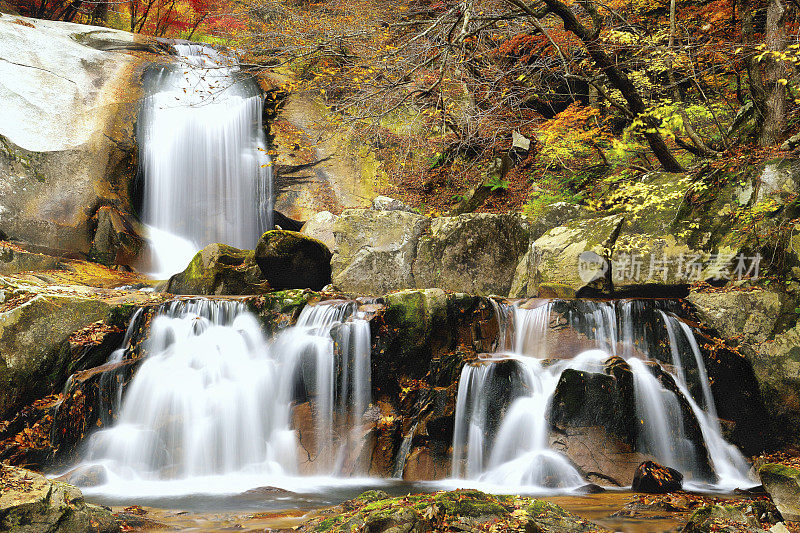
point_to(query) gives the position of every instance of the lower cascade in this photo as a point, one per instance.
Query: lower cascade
(214, 398)
(505, 400)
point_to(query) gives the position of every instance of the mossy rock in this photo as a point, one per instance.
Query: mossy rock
(292, 260)
(783, 484)
(755, 515)
(219, 269)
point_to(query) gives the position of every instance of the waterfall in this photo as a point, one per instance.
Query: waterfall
(504, 440)
(206, 173)
(213, 397)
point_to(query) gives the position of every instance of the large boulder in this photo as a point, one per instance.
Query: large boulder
(34, 358)
(320, 227)
(761, 325)
(375, 250)
(575, 255)
(783, 484)
(219, 269)
(292, 260)
(70, 96)
(474, 253)
(31, 503)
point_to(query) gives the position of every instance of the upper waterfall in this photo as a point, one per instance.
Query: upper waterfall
(206, 173)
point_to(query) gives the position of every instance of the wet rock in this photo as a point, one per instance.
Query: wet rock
(219, 269)
(375, 250)
(117, 238)
(783, 485)
(30, 503)
(473, 253)
(85, 476)
(746, 516)
(320, 227)
(292, 260)
(654, 478)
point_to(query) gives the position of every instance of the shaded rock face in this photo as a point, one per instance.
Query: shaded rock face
(66, 129)
(656, 479)
(219, 269)
(30, 503)
(292, 260)
(783, 484)
(14, 259)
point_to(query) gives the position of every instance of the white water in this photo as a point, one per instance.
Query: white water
(207, 175)
(516, 452)
(213, 399)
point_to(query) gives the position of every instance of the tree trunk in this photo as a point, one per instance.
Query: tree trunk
(774, 106)
(619, 80)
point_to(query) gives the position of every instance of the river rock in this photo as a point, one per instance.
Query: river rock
(320, 227)
(656, 479)
(70, 96)
(31, 503)
(474, 253)
(375, 250)
(783, 484)
(34, 358)
(219, 269)
(292, 260)
(747, 516)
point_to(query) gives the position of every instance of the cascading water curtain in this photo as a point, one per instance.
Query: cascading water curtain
(504, 440)
(213, 397)
(206, 173)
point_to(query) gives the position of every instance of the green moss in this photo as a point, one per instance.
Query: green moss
(372, 496)
(778, 470)
(543, 508)
(471, 503)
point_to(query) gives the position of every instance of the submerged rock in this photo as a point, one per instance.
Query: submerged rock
(31, 503)
(783, 484)
(292, 260)
(656, 479)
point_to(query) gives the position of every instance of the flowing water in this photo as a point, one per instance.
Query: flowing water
(501, 430)
(206, 173)
(211, 404)
(217, 409)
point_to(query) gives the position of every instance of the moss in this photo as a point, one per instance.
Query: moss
(471, 503)
(779, 470)
(372, 496)
(543, 508)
